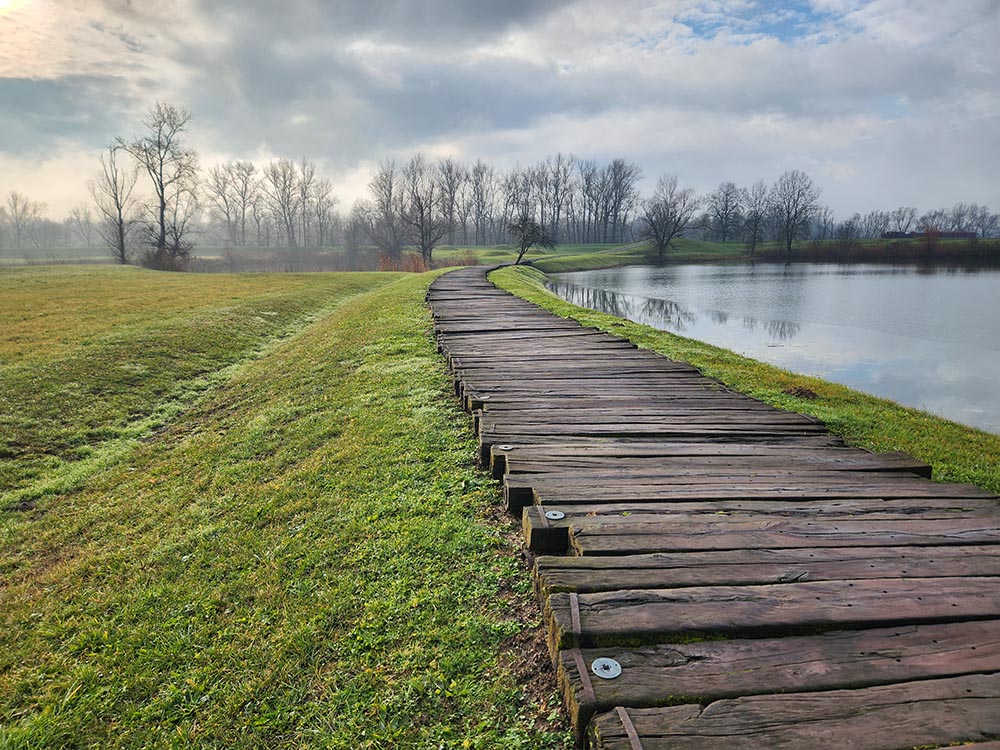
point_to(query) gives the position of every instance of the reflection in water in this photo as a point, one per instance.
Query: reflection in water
(927, 337)
(782, 329)
(660, 313)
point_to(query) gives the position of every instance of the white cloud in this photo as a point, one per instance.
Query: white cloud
(883, 101)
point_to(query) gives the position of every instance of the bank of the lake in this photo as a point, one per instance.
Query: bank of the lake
(958, 453)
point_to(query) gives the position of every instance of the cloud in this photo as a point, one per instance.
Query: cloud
(883, 101)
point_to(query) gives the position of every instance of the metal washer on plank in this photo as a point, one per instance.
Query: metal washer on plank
(505, 447)
(555, 515)
(606, 668)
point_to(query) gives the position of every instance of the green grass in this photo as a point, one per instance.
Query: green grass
(93, 358)
(498, 254)
(957, 453)
(302, 556)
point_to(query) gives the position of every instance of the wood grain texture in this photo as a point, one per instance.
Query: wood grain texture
(707, 671)
(645, 616)
(890, 717)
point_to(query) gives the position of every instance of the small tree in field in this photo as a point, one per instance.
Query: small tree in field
(527, 233)
(667, 214)
(173, 174)
(112, 192)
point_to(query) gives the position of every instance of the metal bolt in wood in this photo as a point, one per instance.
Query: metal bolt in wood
(606, 668)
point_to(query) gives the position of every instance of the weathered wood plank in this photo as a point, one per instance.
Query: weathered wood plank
(747, 490)
(659, 615)
(708, 671)
(889, 717)
(548, 464)
(669, 453)
(723, 534)
(544, 534)
(592, 573)
(661, 482)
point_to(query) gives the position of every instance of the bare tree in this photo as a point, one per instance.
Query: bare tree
(386, 228)
(182, 211)
(356, 230)
(482, 179)
(560, 187)
(112, 191)
(233, 190)
(324, 204)
(245, 187)
(848, 232)
(902, 219)
(724, 211)
(794, 201)
(172, 171)
(452, 177)
(527, 233)
(958, 217)
(22, 214)
(221, 195)
(422, 206)
(463, 210)
(933, 221)
(81, 224)
(667, 213)
(620, 179)
(824, 222)
(306, 183)
(983, 221)
(875, 223)
(282, 191)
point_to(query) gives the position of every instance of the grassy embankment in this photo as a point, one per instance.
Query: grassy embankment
(244, 515)
(957, 453)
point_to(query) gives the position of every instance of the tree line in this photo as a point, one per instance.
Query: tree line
(151, 202)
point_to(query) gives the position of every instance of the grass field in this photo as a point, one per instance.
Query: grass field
(278, 542)
(957, 453)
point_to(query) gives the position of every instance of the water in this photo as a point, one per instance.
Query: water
(924, 338)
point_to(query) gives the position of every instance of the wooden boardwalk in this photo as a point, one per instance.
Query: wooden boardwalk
(718, 573)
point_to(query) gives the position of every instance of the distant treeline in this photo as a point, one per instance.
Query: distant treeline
(928, 249)
(153, 202)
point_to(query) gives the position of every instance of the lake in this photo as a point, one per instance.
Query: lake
(928, 338)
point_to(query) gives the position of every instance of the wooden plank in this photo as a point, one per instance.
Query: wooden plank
(799, 489)
(581, 466)
(545, 535)
(555, 454)
(643, 616)
(712, 670)
(659, 480)
(768, 437)
(888, 717)
(591, 573)
(723, 534)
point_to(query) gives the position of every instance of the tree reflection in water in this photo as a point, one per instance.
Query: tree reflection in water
(659, 313)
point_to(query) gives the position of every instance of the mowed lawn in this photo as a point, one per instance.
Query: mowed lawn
(241, 512)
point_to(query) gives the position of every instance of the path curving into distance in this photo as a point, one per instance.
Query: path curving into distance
(715, 572)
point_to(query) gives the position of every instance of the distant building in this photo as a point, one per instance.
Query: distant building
(936, 235)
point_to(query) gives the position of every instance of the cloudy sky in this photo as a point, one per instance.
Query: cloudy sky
(882, 102)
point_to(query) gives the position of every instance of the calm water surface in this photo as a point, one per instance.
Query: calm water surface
(929, 339)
